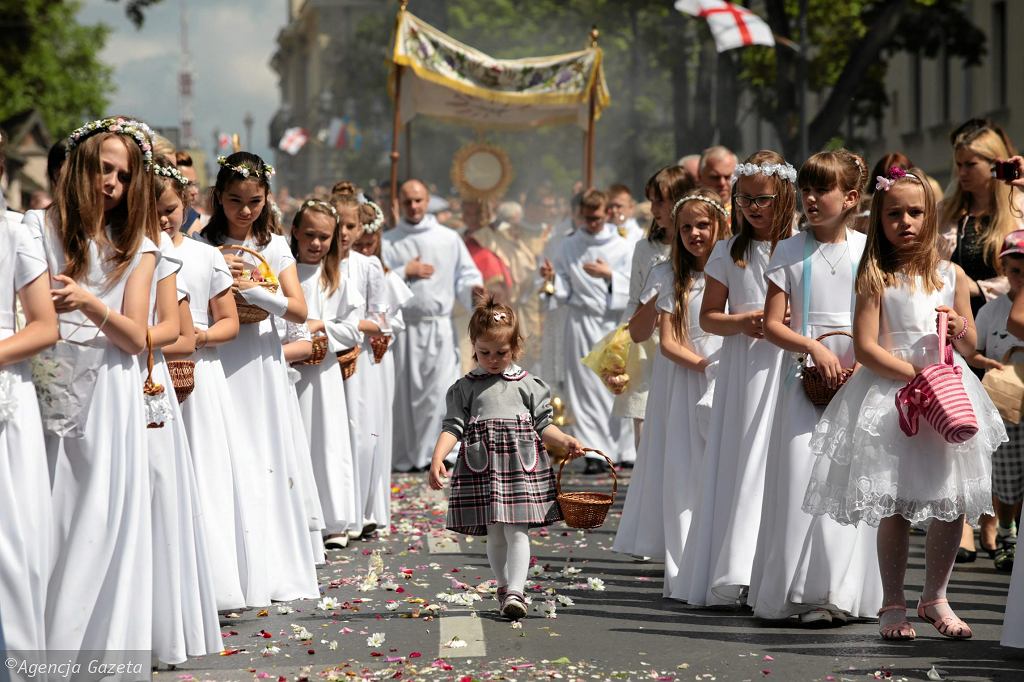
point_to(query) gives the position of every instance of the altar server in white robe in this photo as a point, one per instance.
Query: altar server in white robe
(438, 268)
(591, 271)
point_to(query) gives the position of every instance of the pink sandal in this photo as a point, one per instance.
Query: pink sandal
(901, 631)
(944, 625)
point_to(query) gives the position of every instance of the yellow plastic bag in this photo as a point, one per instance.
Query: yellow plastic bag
(609, 359)
(1006, 387)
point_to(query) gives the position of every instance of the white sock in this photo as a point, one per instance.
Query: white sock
(518, 562)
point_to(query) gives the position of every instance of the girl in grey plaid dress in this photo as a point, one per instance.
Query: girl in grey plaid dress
(502, 483)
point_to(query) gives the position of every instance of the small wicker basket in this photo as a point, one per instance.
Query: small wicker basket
(819, 392)
(347, 360)
(319, 350)
(183, 377)
(585, 509)
(380, 345)
(151, 389)
(247, 312)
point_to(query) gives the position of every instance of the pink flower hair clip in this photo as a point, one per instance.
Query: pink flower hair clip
(895, 173)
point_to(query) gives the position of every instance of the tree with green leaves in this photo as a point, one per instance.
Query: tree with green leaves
(50, 62)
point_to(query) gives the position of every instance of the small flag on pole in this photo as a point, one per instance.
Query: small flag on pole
(223, 142)
(731, 26)
(293, 140)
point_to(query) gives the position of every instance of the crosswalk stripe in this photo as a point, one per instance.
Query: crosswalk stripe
(467, 628)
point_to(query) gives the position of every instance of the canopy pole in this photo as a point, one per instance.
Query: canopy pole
(396, 125)
(588, 149)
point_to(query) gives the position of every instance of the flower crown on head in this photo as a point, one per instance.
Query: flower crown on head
(378, 220)
(892, 177)
(245, 169)
(137, 130)
(317, 203)
(500, 316)
(171, 172)
(783, 170)
(697, 197)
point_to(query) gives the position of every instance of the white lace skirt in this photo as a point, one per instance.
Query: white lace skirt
(868, 469)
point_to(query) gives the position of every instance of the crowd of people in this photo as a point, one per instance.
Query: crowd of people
(222, 397)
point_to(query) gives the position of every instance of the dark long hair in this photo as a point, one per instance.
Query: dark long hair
(216, 231)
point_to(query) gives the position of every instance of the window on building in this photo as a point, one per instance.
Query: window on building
(997, 39)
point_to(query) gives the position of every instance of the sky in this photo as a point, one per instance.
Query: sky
(231, 42)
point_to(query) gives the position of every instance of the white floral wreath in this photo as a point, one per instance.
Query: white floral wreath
(317, 203)
(245, 169)
(378, 220)
(137, 130)
(696, 197)
(171, 172)
(783, 170)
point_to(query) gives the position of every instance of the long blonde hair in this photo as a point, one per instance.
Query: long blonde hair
(882, 262)
(684, 263)
(782, 216)
(989, 145)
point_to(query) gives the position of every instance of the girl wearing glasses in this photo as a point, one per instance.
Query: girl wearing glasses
(720, 549)
(808, 566)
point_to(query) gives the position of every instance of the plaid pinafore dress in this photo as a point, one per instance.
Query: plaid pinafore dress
(503, 473)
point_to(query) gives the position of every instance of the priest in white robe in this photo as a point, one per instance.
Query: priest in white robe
(434, 262)
(591, 270)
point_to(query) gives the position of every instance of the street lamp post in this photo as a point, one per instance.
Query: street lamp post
(248, 121)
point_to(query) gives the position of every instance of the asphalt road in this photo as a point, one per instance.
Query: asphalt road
(404, 607)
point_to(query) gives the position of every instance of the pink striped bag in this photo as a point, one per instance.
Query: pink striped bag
(937, 394)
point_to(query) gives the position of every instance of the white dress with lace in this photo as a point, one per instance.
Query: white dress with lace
(867, 468)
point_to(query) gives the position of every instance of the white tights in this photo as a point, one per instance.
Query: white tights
(940, 552)
(508, 552)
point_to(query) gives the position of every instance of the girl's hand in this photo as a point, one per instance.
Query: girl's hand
(982, 362)
(438, 475)
(235, 264)
(315, 326)
(827, 363)
(244, 284)
(955, 323)
(71, 296)
(573, 448)
(753, 324)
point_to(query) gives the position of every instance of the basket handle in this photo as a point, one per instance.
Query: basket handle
(611, 468)
(246, 249)
(1010, 353)
(835, 333)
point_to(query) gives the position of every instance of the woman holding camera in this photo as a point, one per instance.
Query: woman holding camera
(979, 213)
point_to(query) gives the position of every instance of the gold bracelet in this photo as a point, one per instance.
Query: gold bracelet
(106, 316)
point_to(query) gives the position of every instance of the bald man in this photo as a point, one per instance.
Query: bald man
(434, 262)
(715, 173)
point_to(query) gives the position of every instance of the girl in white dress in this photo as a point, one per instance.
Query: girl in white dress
(24, 480)
(364, 277)
(208, 411)
(868, 470)
(805, 565)
(640, 531)
(100, 590)
(662, 190)
(396, 295)
(719, 550)
(692, 355)
(321, 390)
(281, 564)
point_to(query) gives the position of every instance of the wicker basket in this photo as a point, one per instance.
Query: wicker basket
(319, 350)
(819, 392)
(586, 509)
(347, 360)
(151, 389)
(247, 312)
(183, 377)
(380, 345)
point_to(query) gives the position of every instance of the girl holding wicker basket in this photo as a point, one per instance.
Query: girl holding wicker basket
(229, 512)
(877, 463)
(333, 319)
(807, 566)
(281, 567)
(503, 483)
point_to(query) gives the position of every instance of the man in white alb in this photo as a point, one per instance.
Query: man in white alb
(436, 265)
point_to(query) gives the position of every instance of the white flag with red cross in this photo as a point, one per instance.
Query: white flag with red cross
(731, 26)
(293, 140)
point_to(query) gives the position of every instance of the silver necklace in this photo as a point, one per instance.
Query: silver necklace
(832, 265)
